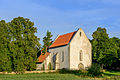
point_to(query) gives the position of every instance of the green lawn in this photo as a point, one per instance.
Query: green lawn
(42, 76)
(112, 73)
(56, 76)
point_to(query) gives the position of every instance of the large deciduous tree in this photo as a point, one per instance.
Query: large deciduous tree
(5, 60)
(104, 50)
(24, 44)
(116, 62)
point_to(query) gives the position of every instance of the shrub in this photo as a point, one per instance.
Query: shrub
(43, 67)
(50, 66)
(94, 70)
(64, 71)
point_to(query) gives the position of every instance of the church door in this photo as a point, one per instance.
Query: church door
(81, 66)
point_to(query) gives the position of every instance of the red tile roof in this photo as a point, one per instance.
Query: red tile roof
(42, 57)
(62, 40)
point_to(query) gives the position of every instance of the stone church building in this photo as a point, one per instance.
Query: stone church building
(71, 51)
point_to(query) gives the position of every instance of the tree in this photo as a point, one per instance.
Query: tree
(116, 62)
(47, 42)
(5, 60)
(104, 50)
(24, 45)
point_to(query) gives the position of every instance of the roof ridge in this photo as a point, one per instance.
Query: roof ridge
(67, 33)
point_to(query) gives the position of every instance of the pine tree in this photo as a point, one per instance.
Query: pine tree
(47, 42)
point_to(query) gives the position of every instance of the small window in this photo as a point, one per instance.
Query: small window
(80, 34)
(81, 56)
(62, 56)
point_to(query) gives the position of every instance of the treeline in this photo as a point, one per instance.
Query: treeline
(105, 50)
(18, 45)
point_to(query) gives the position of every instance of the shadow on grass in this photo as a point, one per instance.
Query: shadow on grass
(115, 71)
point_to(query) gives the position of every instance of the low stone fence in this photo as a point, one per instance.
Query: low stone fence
(27, 72)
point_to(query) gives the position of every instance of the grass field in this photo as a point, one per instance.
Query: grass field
(112, 73)
(57, 76)
(41, 76)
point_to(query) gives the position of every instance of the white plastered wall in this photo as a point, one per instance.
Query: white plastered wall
(58, 51)
(77, 44)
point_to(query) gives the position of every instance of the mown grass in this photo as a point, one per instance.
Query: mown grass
(112, 73)
(108, 75)
(41, 76)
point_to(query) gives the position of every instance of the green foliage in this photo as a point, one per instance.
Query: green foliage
(115, 60)
(50, 66)
(43, 67)
(5, 59)
(94, 70)
(47, 41)
(19, 45)
(103, 48)
(67, 71)
(81, 73)
(25, 44)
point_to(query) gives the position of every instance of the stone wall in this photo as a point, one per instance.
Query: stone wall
(80, 43)
(58, 51)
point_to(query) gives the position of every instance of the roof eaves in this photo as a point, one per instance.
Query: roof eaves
(58, 46)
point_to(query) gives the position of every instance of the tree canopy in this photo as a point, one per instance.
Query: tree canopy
(21, 45)
(47, 41)
(105, 50)
(5, 38)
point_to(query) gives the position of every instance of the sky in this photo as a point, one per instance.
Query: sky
(64, 16)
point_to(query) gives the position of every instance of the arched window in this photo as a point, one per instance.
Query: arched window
(80, 34)
(62, 56)
(80, 55)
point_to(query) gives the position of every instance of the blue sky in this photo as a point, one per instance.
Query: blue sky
(63, 16)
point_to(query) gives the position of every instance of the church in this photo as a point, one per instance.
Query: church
(70, 51)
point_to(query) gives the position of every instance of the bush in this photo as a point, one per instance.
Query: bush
(81, 73)
(43, 67)
(94, 70)
(64, 71)
(50, 66)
